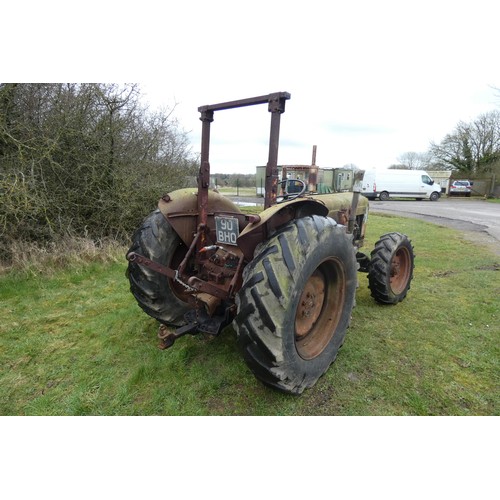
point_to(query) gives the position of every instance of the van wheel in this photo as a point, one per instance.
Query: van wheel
(434, 196)
(384, 196)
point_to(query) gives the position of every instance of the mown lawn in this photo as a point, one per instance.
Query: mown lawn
(74, 342)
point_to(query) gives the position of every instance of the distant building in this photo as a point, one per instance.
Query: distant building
(441, 177)
(328, 180)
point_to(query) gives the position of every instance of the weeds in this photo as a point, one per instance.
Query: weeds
(35, 259)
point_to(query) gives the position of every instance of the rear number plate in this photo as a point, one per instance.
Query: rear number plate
(227, 230)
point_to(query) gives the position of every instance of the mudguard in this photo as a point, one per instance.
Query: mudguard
(180, 208)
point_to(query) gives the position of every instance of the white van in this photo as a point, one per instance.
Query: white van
(384, 184)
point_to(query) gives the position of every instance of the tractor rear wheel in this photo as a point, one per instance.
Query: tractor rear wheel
(295, 303)
(156, 294)
(391, 268)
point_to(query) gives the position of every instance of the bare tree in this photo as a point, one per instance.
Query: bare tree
(413, 161)
(473, 148)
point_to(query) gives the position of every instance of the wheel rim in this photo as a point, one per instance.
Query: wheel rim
(319, 309)
(400, 270)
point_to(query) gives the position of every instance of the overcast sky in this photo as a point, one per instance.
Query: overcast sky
(369, 80)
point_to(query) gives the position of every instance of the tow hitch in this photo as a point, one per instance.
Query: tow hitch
(198, 321)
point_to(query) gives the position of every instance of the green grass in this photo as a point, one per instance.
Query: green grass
(241, 191)
(74, 342)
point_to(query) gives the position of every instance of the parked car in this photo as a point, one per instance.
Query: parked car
(460, 187)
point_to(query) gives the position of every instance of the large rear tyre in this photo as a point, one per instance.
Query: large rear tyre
(391, 268)
(295, 303)
(155, 293)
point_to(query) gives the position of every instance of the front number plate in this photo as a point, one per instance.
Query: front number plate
(227, 230)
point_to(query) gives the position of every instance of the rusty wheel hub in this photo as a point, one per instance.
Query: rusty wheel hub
(319, 309)
(400, 270)
(310, 305)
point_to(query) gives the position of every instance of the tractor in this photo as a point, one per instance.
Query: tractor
(285, 278)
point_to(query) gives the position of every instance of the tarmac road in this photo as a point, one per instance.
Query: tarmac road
(476, 218)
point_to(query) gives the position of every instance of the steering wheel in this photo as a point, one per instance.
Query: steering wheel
(290, 196)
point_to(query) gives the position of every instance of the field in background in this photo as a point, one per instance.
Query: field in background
(238, 191)
(74, 342)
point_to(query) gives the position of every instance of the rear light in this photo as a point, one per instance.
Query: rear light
(374, 187)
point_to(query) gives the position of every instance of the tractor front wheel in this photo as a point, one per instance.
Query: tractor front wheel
(391, 268)
(295, 303)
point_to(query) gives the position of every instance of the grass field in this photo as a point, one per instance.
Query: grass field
(240, 191)
(74, 342)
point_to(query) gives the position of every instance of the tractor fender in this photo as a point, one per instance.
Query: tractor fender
(180, 208)
(266, 223)
(339, 208)
(334, 205)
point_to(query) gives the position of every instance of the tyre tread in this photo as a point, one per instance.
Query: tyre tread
(381, 258)
(156, 240)
(260, 333)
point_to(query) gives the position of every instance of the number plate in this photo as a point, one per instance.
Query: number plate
(227, 230)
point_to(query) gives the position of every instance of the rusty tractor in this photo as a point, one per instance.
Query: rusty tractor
(285, 278)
